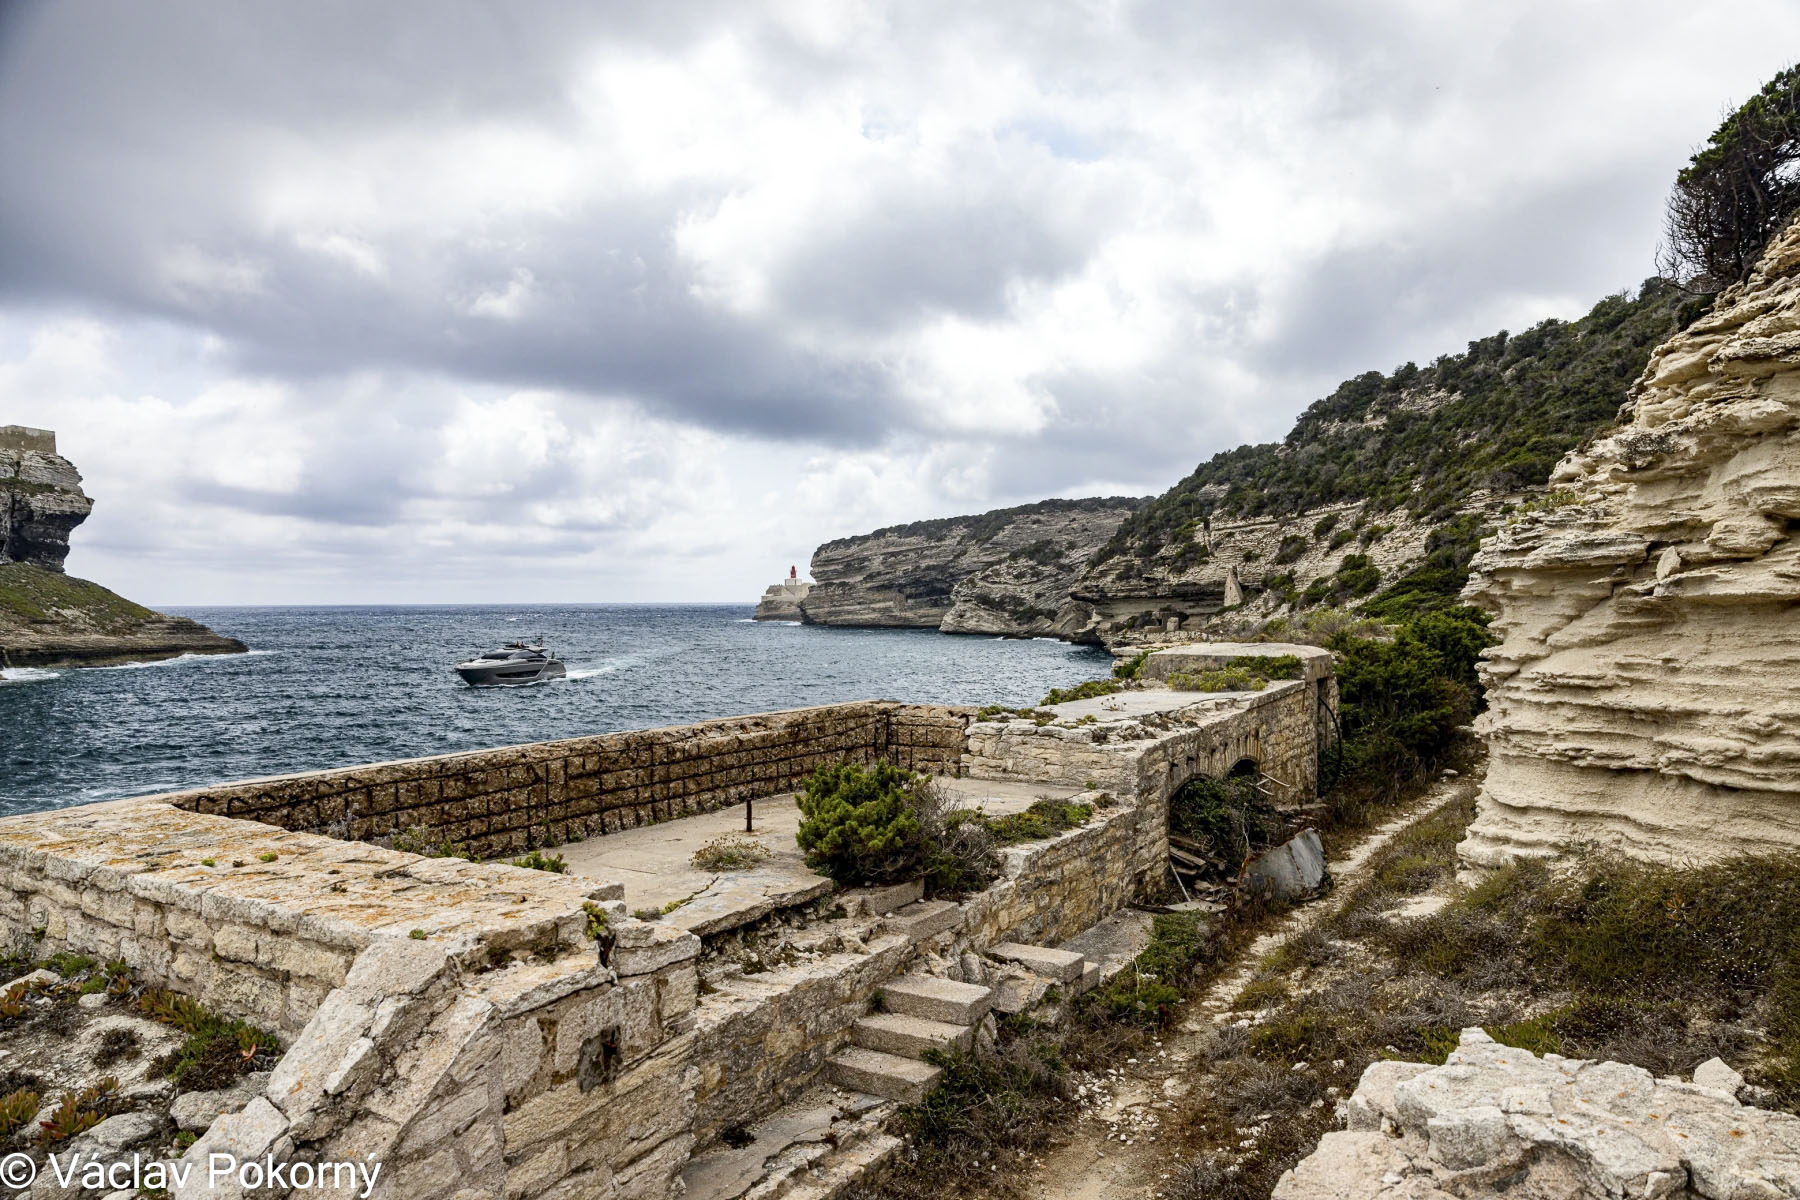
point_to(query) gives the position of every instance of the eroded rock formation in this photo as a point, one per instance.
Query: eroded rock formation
(1006, 572)
(1496, 1121)
(41, 499)
(1642, 696)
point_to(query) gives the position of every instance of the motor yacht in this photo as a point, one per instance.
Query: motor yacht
(512, 664)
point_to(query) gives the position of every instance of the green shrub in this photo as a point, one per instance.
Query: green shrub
(1131, 668)
(1149, 992)
(218, 1050)
(1230, 817)
(1044, 819)
(860, 825)
(537, 860)
(1242, 675)
(1404, 703)
(1081, 691)
(1292, 546)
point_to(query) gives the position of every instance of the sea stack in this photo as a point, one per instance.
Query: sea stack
(48, 617)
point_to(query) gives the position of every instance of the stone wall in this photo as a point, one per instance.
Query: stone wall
(1052, 890)
(251, 920)
(1280, 728)
(503, 801)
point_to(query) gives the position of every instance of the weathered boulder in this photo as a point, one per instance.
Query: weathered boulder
(1642, 694)
(1495, 1120)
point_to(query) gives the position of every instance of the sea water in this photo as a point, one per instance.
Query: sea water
(326, 687)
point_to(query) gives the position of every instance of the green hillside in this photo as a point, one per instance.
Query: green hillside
(1423, 439)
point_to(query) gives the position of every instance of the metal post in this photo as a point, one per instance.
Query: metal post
(747, 803)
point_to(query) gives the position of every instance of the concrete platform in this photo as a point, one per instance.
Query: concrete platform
(655, 863)
(1141, 702)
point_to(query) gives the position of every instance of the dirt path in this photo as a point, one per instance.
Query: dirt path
(1116, 1150)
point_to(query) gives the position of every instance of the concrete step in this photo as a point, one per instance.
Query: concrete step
(903, 1079)
(838, 1174)
(822, 1135)
(909, 1037)
(1064, 966)
(924, 919)
(880, 901)
(937, 999)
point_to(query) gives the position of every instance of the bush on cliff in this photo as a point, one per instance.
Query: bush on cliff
(1404, 704)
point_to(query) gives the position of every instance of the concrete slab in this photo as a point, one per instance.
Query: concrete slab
(1141, 702)
(655, 863)
(1113, 942)
(1061, 965)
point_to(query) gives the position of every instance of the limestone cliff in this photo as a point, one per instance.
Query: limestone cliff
(41, 499)
(1642, 695)
(49, 618)
(1377, 498)
(1004, 572)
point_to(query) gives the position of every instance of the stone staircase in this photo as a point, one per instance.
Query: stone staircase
(919, 1013)
(818, 1147)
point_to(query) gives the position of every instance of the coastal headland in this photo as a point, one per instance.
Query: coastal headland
(47, 616)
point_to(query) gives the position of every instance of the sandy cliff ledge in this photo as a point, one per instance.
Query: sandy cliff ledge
(1646, 693)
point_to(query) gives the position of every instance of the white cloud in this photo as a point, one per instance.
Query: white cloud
(650, 298)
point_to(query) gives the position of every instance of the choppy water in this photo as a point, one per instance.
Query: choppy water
(333, 686)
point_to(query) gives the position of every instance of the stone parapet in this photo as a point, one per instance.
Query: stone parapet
(502, 801)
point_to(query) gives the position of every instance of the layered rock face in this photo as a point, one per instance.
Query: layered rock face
(1496, 1121)
(1259, 563)
(41, 499)
(1643, 693)
(47, 617)
(1004, 572)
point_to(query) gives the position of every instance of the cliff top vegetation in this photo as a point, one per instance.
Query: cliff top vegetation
(983, 526)
(1497, 416)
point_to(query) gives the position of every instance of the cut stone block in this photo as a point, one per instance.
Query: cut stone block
(937, 999)
(1064, 966)
(1090, 979)
(910, 1037)
(924, 919)
(880, 901)
(903, 1079)
(1019, 993)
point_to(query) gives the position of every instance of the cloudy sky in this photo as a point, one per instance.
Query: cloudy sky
(451, 301)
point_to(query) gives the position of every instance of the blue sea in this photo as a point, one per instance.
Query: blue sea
(326, 687)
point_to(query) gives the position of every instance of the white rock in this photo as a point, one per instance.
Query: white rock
(1715, 1074)
(1545, 1127)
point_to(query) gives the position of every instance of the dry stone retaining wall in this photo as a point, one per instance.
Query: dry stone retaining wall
(510, 799)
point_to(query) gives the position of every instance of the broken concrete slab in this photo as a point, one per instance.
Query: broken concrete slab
(1291, 871)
